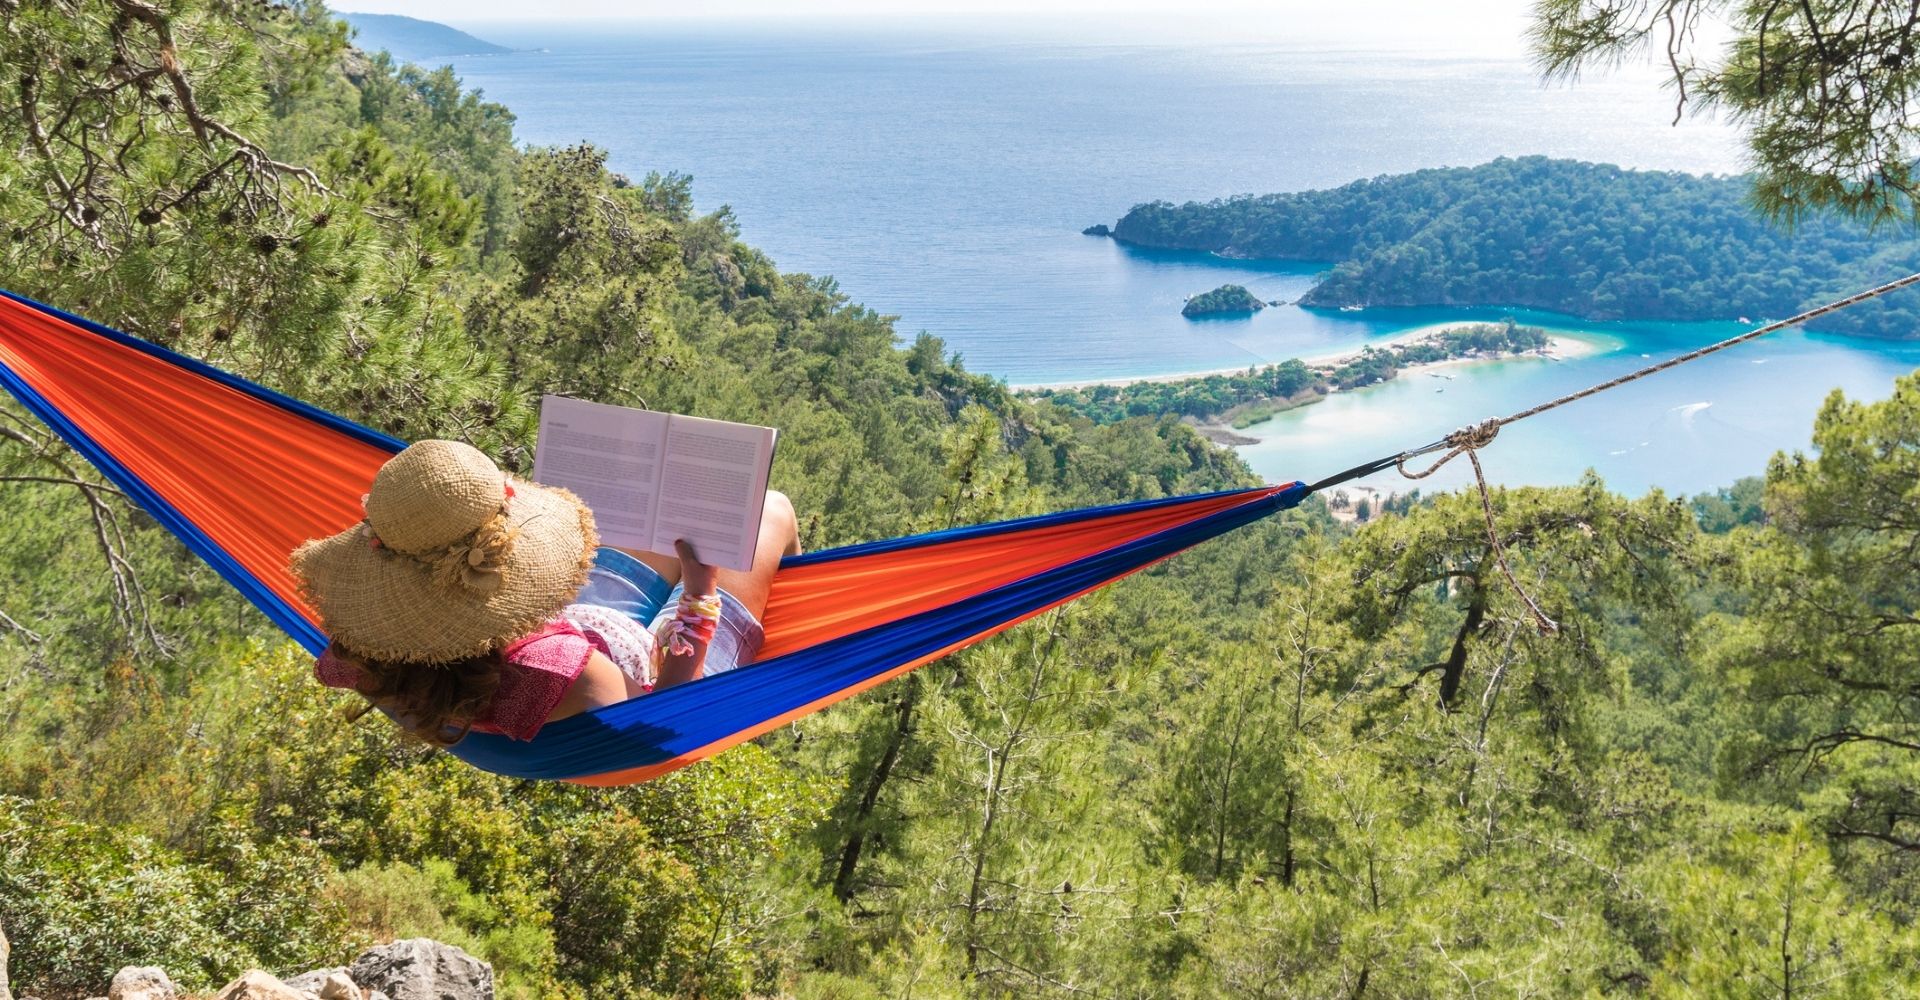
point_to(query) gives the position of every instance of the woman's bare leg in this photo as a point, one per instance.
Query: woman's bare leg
(667, 566)
(779, 536)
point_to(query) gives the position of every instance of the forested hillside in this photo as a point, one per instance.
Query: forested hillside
(1587, 239)
(1301, 761)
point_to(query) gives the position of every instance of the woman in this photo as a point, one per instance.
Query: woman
(470, 600)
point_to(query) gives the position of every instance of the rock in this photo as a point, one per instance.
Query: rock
(312, 981)
(141, 982)
(1099, 229)
(339, 987)
(423, 969)
(257, 985)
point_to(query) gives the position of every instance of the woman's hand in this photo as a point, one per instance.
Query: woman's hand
(696, 576)
(698, 579)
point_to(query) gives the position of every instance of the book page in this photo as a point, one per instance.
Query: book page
(713, 485)
(610, 456)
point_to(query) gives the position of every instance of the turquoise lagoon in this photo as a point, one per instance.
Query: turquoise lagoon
(1684, 430)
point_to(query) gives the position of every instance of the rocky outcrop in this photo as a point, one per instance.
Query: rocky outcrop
(333, 984)
(257, 985)
(415, 969)
(338, 987)
(423, 969)
(312, 981)
(1098, 229)
(141, 982)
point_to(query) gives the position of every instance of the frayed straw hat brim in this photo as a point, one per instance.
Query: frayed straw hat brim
(382, 604)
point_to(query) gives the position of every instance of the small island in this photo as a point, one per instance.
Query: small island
(1097, 229)
(1225, 300)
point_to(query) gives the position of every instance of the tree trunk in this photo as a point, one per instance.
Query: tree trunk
(974, 888)
(1456, 666)
(5, 994)
(870, 798)
(1221, 813)
(999, 761)
(1286, 844)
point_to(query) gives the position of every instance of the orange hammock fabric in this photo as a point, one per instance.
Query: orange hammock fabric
(243, 475)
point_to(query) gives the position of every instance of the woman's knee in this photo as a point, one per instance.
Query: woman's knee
(778, 512)
(778, 519)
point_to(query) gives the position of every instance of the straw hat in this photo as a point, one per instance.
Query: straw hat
(454, 559)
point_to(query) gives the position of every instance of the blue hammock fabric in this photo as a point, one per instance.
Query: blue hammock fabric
(243, 474)
(678, 721)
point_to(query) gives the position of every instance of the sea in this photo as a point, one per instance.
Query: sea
(941, 171)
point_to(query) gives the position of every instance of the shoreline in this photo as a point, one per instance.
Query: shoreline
(1561, 345)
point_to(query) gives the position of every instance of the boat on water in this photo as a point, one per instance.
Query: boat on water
(1351, 309)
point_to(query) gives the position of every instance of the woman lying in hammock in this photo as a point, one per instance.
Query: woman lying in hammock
(470, 600)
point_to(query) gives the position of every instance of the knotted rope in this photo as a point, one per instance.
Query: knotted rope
(1468, 440)
(1464, 441)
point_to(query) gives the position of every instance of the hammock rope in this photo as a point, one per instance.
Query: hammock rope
(1468, 441)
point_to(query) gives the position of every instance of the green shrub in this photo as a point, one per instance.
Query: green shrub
(400, 900)
(80, 901)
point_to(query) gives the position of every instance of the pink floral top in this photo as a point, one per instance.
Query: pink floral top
(540, 667)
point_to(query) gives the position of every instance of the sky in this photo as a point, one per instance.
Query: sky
(1485, 26)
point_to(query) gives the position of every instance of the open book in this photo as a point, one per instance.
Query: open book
(651, 478)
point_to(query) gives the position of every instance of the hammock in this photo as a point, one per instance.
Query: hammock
(243, 474)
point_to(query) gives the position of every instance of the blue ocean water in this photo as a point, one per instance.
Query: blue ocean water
(942, 173)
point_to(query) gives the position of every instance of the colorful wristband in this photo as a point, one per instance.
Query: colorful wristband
(694, 619)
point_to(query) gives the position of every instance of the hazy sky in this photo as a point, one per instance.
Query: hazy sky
(1435, 10)
(1481, 25)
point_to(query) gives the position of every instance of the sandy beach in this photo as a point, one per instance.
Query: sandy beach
(1561, 345)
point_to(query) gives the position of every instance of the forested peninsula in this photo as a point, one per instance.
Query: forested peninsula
(1302, 760)
(1586, 239)
(1245, 398)
(415, 40)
